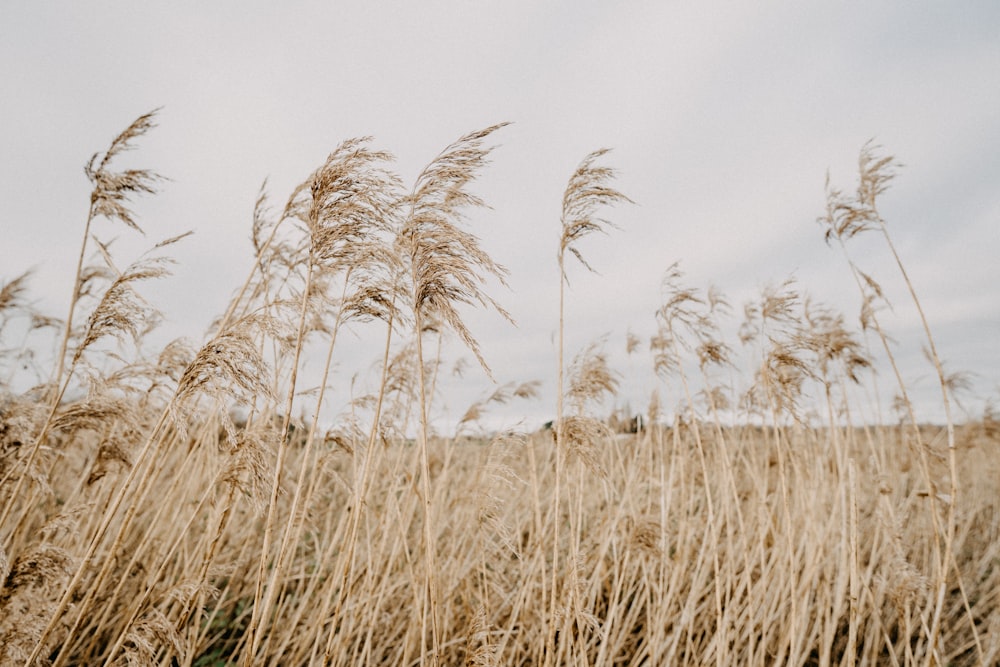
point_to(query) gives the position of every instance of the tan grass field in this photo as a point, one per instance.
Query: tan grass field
(167, 509)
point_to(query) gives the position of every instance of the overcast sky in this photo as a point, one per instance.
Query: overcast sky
(724, 119)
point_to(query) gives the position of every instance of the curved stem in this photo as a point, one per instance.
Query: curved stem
(262, 598)
(425, 477)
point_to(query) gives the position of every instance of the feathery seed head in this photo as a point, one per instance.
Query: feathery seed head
(847, 217)
(12, 292)
(447, 265)
(352, 199)
(113, 190)
(580, 435)
(230, 364)
(121, 310)
(588, 191)
(591, 377)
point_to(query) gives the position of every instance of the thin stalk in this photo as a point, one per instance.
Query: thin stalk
(949, 538)
(348, 558)
(141, 494)
(294, 528)
(554, 584)
(136, 605)
(195, 608)
(234, 304)
(721, 654)
(59, 386)
(425, 478)
(855, 585)
(911, 414)
(262, 601)
(64, 343)
(99, 536)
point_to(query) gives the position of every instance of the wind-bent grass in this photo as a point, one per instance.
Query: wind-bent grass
(446, 267)
(168, 509)
(587, 192)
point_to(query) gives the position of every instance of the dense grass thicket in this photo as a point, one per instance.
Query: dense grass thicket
(184, 508)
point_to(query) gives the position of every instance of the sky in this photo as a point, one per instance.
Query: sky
(724, 120)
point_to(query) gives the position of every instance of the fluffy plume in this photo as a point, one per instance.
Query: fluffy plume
(591, 377)
(229, 364)
(448, 267)
(12, 294)
(121, 310)
(113, 190)
(588, 191)
(846, 217)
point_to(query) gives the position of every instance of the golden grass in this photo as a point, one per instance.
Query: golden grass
(171, 511)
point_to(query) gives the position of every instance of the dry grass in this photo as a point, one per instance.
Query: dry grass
(168, 509)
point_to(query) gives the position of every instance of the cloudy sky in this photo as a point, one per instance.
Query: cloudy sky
(724, 119)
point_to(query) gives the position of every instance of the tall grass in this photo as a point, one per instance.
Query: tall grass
(170, 508)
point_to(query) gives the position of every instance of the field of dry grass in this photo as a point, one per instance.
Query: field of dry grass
(168, 509)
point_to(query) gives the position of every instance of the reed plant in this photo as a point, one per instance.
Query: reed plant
(195, 504)
(587, 193)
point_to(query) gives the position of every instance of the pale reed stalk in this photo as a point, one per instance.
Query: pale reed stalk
(447, 267)
(586, 193)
